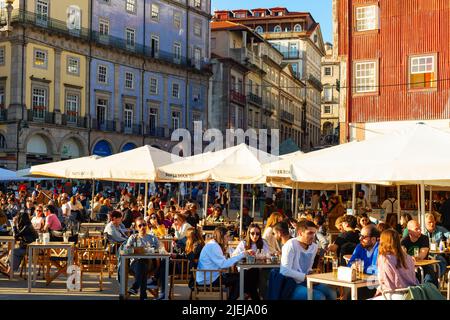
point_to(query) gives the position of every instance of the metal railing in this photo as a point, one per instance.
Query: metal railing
(237, 97)
(50, 24)
(106, 125)
(287, 116)
(75, 121)
(154, 131)
(40, 115)
(133, 129)
(290, 54)
(255, 99)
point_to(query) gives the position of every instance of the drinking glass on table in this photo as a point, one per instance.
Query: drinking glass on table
(335, 263)
(416, 253)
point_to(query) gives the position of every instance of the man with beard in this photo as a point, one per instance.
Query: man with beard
(367, 249)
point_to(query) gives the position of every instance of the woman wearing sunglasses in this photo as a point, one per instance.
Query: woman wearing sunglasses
(156, 226)
(254, 242)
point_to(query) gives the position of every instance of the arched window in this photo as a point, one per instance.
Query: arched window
(297, 28)
(259, 30)
(2, 142)
(277, 29)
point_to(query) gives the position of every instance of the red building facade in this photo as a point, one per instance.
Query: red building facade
(399, 70)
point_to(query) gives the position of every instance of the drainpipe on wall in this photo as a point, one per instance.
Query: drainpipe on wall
(142, 80)
(186, 93)
(349, 69)
(88, 107)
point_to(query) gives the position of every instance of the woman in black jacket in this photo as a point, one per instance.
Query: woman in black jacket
(24, 233)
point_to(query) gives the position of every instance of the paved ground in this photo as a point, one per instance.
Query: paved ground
(17, 289)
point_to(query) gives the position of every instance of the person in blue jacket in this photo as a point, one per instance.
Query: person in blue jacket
(367, 249)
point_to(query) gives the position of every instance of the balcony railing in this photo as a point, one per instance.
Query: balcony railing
(39, 114)
(25, 17)
(237, 97)
(74, 121)
(133, 129)
(155, 131)
(315, 82)
(287, 116)
(106, 125)
(290, 54)
(255, 99)
(243, 56)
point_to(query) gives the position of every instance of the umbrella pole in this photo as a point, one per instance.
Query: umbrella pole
(292, 200)
(353, 197)
(241, 210)
(179, 192)
(422, 205)
(93, 193)
(253, 206)
(398, 204)
(337, 189)
(431, 200)
(304, 199)
(296, 202)
(205, 210)
(145, 198)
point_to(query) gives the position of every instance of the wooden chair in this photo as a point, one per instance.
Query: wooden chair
(208, 291)
(92, 257)
(180, 274)
(91, 260)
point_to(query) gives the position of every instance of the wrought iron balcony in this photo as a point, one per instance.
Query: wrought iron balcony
(287, 55)
(105, 125)
(287, 116)
(74, 121)
(133, 129)
(255, 99)
(39, 114)
(155, 131)
(237, 97)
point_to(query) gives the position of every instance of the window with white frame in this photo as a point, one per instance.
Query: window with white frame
(365, 76)
(40, 58)
(155, 12)
(177, 52)
(102, 74)
(367, 18)
(153, 119)
(130, 6)
(73, 65)
(2, 56)
(198, 28)
(103, 27)
(176, 116)
(423, 72)
(177, 20)
(327, 109)
(298, 28)
(153, 86)
(72, 106)
(277, 29)
(175, 90)
(259, 30)
(42, 12)
(39, 102)
(102, 106)
(328, 93)
(155, 45)
(131, 37)
(128, 115)
(129, 80)
(197, 57)
(2, 95)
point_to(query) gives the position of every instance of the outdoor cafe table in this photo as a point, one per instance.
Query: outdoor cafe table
(260, 264)
(422, 263)
(330, 278)
(124, 271)
(11, 242)
(32, 247)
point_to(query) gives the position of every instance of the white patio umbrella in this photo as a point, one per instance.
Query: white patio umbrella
(239, 165)
(137, 165)
(418, 154)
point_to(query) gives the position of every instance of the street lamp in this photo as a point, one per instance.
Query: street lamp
(9, 8)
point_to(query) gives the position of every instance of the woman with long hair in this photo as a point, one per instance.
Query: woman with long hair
(213, 257)
(156, 225)
(273, 219)
(395, 267)
(254, 242)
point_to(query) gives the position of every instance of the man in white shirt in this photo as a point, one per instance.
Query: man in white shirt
(297, 259)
